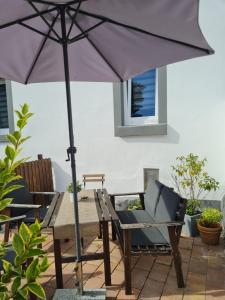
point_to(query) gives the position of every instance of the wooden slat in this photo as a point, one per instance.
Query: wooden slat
(56, 209)
(98, 207)
(93, 180)
(104, 209)
(50, 211)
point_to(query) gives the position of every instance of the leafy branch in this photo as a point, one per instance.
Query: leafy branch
(10, 162)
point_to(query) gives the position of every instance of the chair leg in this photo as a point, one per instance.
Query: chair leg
(107, 266)
(176, 256)
(58, 264)
(127, 261)
(112, 199)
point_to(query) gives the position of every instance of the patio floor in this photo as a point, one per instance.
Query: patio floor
(153, 278)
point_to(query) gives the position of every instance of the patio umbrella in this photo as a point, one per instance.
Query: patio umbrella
(94, 40)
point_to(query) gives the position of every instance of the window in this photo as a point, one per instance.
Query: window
(6, 110)
(140, 106)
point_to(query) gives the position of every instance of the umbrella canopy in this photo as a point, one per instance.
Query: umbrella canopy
(94, 40)
(108, 40)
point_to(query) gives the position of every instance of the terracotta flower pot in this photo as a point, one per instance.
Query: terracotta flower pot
(210, 236)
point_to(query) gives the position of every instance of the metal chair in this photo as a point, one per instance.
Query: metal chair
(155, 230)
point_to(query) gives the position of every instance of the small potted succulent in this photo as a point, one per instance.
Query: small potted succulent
(70, 187)
(191, 181)
(209, 226)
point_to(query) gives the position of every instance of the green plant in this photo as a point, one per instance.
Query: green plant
(10, 162)
(20, 278)
(210, 217)
(190, 177)
(135, 205)
(70, 187)
(193, 207)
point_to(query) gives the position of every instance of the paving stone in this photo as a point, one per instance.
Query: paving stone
(159, 272)
(152, 290)
(123, 296)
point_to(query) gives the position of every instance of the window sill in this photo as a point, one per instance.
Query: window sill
(144, 130)
(3, 139)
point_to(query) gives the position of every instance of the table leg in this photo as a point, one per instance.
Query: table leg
(107, 266)
(58, 264)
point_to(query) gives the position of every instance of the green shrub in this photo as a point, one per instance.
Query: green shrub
(193, 207)
(21, 278)
(10, 162)
(210, 217)
(135, 205)
(190, 177)
(70, 187)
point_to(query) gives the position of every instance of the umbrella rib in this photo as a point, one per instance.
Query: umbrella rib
(27, 18)
(43, 18)
(139, 30)
(38, 31)
(74, 18)
(98, 51)
(84, 33)
(41, 48)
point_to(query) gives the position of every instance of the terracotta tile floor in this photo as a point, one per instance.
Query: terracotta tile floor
(153, 278)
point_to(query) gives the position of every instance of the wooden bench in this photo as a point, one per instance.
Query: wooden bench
(154, 230)
(93, 178)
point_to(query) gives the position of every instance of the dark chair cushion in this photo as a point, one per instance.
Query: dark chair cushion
(142, 237)
(166, 208)
(30, 215)
(20, 196)
(10, 255)
(152, 195)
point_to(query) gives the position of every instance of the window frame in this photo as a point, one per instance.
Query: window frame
(10, 109)
(160, 128)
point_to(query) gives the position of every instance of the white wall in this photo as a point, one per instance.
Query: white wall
(196, 122)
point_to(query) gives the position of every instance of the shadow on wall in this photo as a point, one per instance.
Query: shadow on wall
(172, 137)
(62, 179)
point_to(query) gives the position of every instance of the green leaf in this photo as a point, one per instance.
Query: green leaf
(17, 135)
(3, 296)
(4, 203)
(36, 289)
(25, 108)
(44, 264)
(24, 140)
(35, 227)
(10, 152)
(37, 240)
(11, 139)
(18, 113)
(21, 123)
(6, 265)
(16, 284)
(22, 294)
(25, 233)
(18, 245)
(32, 270)
(10, 189)
(35, 252)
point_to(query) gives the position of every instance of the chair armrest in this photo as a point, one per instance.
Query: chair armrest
(147, 225)
(126, 194)
(34, 206)
(15, 219)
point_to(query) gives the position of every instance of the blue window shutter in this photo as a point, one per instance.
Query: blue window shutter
(4, 122)
(143, 94)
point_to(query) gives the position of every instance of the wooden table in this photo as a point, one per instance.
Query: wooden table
(93, 217)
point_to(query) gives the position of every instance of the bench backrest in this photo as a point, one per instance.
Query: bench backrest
(37, 174)
(163, 204)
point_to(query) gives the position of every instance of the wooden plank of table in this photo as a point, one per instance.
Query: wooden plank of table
(104, 209)
(48, 216)
(111, 210)
(98, 207)
(55, 211)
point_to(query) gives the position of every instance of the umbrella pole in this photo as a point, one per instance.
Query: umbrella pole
(71, 152)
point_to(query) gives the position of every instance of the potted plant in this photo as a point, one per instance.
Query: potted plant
(191, 180)
(209, 226)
